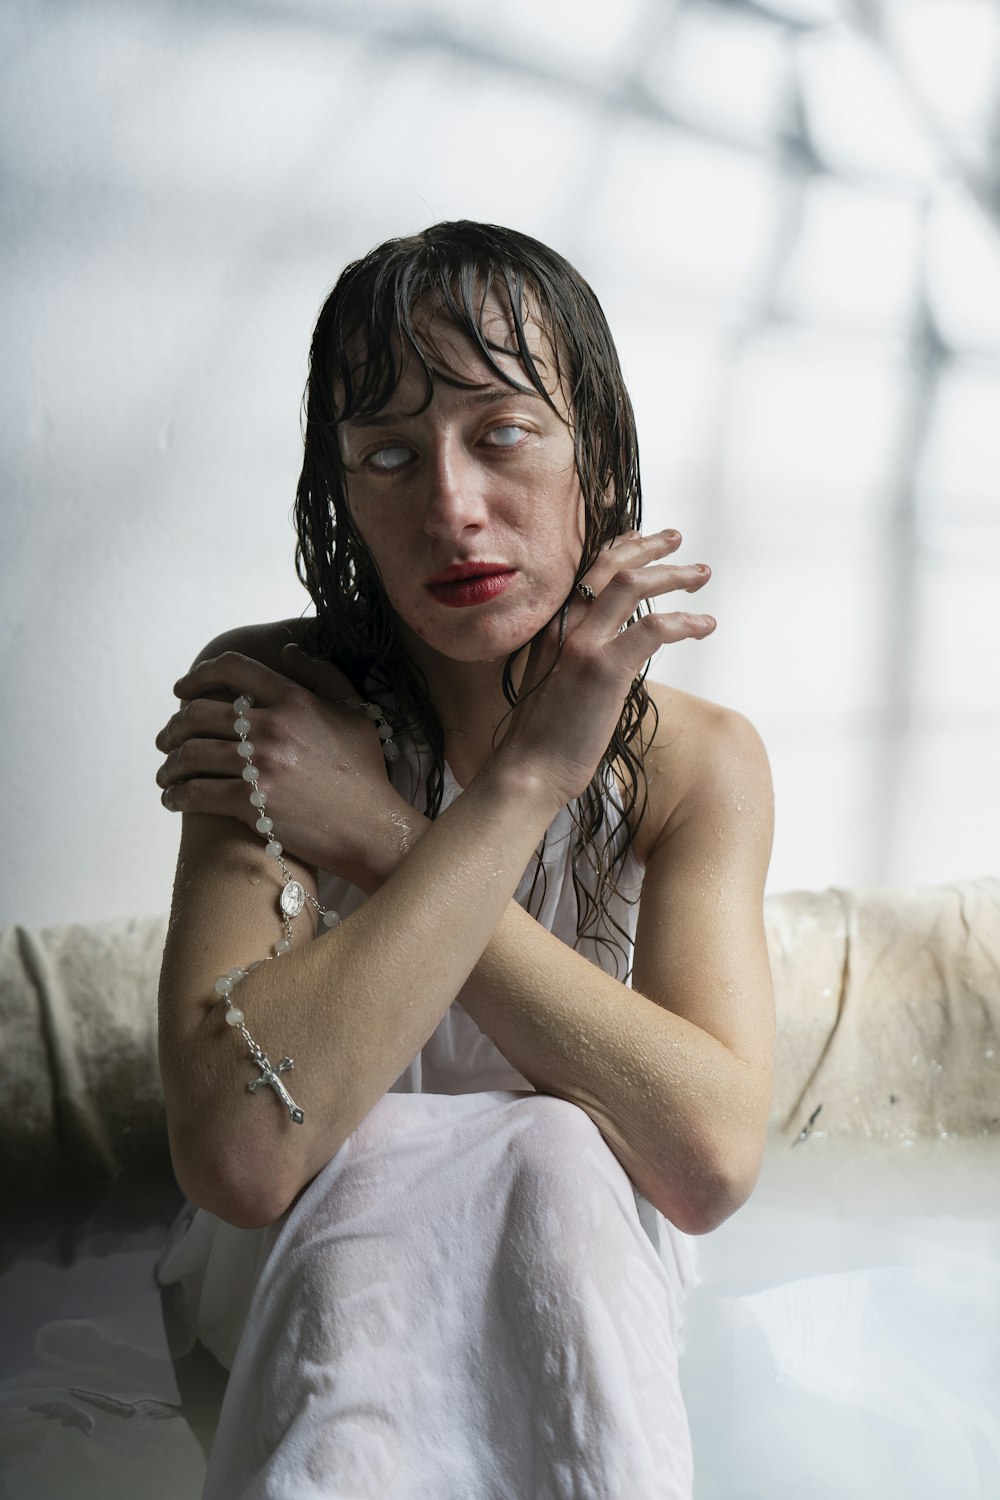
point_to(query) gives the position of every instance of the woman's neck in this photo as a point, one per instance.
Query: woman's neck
(470, 703)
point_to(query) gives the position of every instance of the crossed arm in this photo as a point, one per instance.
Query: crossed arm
(676, 1072)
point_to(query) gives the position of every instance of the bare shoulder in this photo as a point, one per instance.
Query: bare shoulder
(261, 642)
(703, 762)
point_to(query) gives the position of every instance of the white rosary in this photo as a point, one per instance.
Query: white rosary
(291, 902)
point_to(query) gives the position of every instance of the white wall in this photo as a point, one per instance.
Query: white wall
(805, 297)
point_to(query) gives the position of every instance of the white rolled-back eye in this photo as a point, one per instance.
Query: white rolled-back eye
(502, 440)
(393, 457)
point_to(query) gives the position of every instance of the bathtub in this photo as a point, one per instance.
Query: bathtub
(843, 1342)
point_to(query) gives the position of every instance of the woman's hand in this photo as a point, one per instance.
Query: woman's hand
(320, 762)
(570, 700)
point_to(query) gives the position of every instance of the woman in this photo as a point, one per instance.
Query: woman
(435, 1227)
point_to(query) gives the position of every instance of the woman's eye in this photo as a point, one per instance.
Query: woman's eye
(506, 437)
(387, 459)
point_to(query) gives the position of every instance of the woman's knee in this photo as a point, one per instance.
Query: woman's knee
(564, 1169)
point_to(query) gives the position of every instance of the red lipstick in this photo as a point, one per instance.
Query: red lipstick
(468, 583)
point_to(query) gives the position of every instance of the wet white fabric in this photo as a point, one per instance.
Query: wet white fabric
(471, 1300)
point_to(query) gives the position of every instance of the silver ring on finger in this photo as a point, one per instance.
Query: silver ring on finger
(586, 592)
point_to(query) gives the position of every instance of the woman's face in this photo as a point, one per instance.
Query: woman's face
(471, 510)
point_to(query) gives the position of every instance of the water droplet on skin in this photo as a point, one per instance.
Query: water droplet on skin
(403, 829)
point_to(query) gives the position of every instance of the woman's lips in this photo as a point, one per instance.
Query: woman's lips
(459, 593)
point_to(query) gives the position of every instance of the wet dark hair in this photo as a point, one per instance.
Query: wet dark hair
(366, 325)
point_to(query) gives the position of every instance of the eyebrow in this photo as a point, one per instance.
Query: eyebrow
(491, 395)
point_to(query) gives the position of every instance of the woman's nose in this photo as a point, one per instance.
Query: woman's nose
(456, 499)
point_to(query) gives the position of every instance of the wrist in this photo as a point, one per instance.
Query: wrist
(517, 781)
(400, 826)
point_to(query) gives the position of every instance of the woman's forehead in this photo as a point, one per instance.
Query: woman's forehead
(443, 350)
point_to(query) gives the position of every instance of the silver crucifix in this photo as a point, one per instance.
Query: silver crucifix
(269, 1076)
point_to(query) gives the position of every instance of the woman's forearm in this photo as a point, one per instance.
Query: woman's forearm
(669, 1098)
(684, 1114)
(351, 1008)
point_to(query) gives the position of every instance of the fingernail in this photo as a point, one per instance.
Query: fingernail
(671, 536)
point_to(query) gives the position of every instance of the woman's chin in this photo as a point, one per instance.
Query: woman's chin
(474, 635)
(466, 650)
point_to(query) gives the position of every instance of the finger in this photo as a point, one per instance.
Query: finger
(689, 576)
(635, 544)
(675, 625)
(643, 638)
(206, 758)
(210, 796)
(320, 677)
(622, 594)
(665, 577)
(201, 718)
(234, 674)
(630, 550)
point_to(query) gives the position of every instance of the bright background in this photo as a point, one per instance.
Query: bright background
(790, 213)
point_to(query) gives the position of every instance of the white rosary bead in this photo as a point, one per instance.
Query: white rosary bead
(292, 897)
(390, 750)
(271, 1076)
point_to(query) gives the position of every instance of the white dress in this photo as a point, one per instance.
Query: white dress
(471, 1301)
